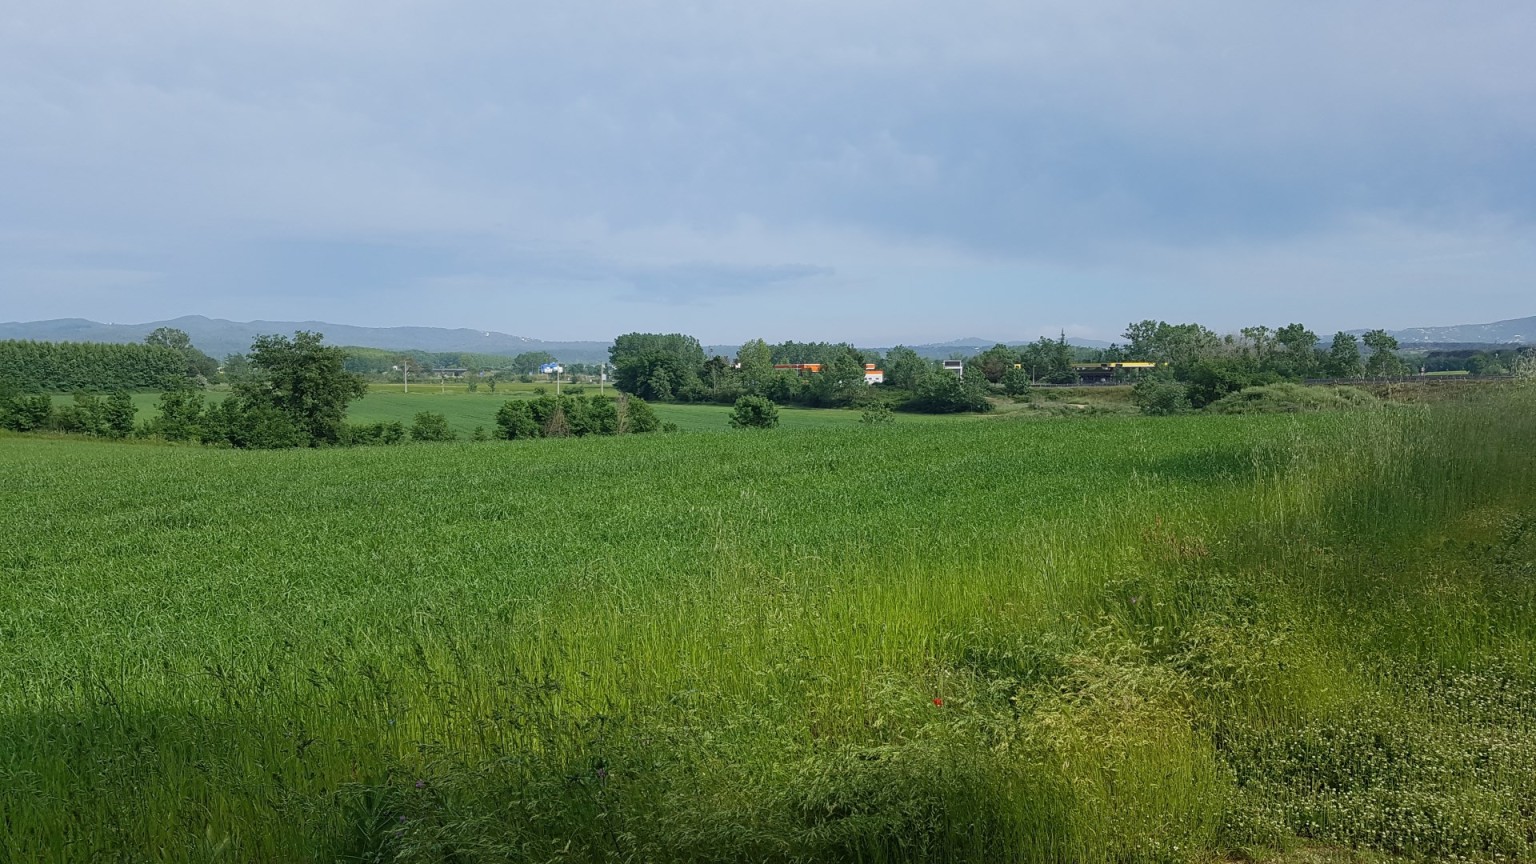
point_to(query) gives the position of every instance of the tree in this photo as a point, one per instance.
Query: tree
(993, 363)
(1383, 361)
(529, 362)
(514, 420)
(658, 366)
(754, 412)
(1344, 356)
(301, 381)
(756, 361)
(839, 380)
(1049, 360)
(199, 365)
(1298, 359)
(943, 393)
(905, 367)
(180, 415)
(117, 415)
(1016, 381)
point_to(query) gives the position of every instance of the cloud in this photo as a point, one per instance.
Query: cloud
(701, 156)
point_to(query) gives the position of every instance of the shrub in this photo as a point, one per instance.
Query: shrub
(1160, 396)
(180, 415)
(429, 426)
(1016, 382)
(943, 393)
(754, 412)
(1287, 398)
(877, 415)
(27, 413)
(515, 420)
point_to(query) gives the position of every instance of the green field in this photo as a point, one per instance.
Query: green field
(464, 410)
(1120, 639)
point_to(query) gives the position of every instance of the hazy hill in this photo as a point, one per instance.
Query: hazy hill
(220, 337)
(1516, 330)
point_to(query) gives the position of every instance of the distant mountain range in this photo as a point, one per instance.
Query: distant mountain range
(1519, 331)
(221, 338)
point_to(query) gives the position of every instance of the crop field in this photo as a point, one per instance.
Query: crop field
(1120, 639)
(465, 411)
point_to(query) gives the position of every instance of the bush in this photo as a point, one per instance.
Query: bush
(877, 415)
(515, 420)
(1160, 396)
(754, 412)
(27, 413)
(944, 393)
(1287, 398)
(180, 415)
(428, 426)
(1016, 382)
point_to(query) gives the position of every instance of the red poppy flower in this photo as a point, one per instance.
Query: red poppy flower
(939, 702)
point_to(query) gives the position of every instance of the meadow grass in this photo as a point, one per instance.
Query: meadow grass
(1112, 640)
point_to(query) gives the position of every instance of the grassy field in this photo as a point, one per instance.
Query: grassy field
(1122, 639)
(465, 410)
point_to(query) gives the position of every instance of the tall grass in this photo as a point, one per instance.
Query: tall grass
(1120, 639)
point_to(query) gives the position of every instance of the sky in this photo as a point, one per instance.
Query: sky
(881, 172)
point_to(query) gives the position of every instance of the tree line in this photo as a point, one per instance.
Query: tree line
(294, 392)
(673, 367)
(66, 367)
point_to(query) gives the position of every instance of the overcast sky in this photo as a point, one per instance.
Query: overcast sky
(812, 169)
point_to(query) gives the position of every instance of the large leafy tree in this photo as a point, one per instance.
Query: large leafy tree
(199, 365)
(300, 381)
(658, 366)
(1383, 361)
(1344, 356)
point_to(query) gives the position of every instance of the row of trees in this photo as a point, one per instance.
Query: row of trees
(65, 367)
(1202, 366)
(672, 367)
(110, 417)
(574, 416)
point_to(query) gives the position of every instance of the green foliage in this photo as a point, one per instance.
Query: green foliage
(1383, 362)
(657, 366)
(429, 426)
(1049, 360)
(297, 394)
(754, 412)
(66, 367)
(117, 415)
(199, 366)
(1344, 357)
(1288, 398)
(1016, 381)
(178, 416)
(479, 434)
(573, 416)
(514, 420)
(944, 393)
(1160, 396)
(904, 368)
(25, 413)
(877, 415)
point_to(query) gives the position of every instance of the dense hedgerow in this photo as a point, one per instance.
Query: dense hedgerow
(1286, 398)
(67, 367)
(1121, 640)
